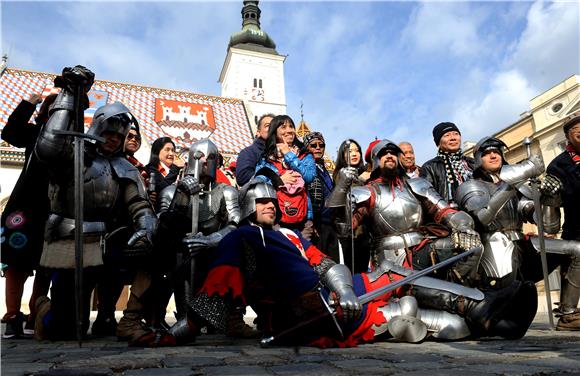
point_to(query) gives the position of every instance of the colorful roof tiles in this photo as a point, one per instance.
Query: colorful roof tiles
(227, 126)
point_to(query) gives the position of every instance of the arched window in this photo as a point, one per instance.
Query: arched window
(255, 82)
(260, 83)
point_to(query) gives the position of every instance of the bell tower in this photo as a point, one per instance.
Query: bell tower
(253, 70)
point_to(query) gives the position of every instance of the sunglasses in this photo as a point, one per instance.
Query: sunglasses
(317, 145)
(135, 137)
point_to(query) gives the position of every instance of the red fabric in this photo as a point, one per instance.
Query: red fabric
(222, 178)
(575, 157)
(314, 255)
(442, 213)
(369, 150)
(225, 279)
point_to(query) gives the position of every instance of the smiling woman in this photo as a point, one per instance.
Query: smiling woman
(164, 165)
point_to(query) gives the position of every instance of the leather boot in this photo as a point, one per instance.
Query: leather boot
(483, 316)
(236, 327)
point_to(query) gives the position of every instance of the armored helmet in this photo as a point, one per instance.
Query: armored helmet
(199, 149)
(485, 144)
(113, 117)
(253, 190)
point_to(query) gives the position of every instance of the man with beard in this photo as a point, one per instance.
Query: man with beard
(394, 208)
(450, 167)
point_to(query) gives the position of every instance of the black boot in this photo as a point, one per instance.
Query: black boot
(506, 312)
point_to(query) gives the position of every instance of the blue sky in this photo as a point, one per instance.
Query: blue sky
(362, 69)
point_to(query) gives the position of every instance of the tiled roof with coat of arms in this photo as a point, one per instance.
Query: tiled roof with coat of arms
(183, 116)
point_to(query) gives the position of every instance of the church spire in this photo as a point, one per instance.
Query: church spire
(251, 36)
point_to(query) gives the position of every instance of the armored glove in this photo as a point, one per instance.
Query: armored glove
(76, 76)
(551, 185)
(339, 280)
(346, 176)
(189, 185)
(142, 240)
(200, 241)
(462, 233)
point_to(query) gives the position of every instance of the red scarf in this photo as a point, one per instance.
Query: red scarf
(575, 157)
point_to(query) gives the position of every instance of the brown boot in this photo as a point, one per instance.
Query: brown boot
(236, 327)
(42, 307)
(131, 327)
(570, 321)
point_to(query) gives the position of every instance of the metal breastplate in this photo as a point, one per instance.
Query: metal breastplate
(396, 215)
(212, 210)
(508, 217)
(101, 191)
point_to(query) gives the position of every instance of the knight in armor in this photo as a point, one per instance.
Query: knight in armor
(288, 281)
(195, 215)
(114, 196)
(450, 167)
(500, 201)
(395, 210)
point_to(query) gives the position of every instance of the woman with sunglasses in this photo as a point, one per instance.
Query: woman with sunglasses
(325, 237)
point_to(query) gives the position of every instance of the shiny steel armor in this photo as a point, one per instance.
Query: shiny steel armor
(254, 190)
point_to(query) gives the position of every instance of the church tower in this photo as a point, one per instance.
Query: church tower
(253, 70)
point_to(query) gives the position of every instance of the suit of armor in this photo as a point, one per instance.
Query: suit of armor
(500, 204)
(216, 213)
(114, 196)
(396, 209)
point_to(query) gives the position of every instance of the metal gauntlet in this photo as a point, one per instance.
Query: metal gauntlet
(462, 232)
(339, 281)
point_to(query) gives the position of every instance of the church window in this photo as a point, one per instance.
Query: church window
(260, 83)
(256, 119)
(255, 82)
(557, 107)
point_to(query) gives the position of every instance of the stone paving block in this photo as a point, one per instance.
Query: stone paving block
(116, 363)
(159, 372)
(238, 371)
(264, 361)
(558, 362)
(306, 369)
(76, 372)
(366, 366)
(23, 369)
(195, 362)
(314, 358)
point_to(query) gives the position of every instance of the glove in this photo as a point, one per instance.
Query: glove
(76, 76)
(346, 176)
(465, 238)
(550, 186)
(142, 240)
(339, 280)
(199, 241)
(189, 185)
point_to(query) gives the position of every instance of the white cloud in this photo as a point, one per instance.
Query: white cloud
(445, 28)
(509, 94)
(549, 48)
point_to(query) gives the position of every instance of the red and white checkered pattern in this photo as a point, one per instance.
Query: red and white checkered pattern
(233, 131)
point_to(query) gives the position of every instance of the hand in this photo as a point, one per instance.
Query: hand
(75, 76)
(465, 238)
(189, 185)
(347, 175)
(146, 225)
(178, 162)
(35, 99)
(290, 177)
(283, 148)
(308, 230)
(348, 305)
(196, 242)
(550, 186)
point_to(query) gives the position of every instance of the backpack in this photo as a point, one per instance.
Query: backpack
(292, 199)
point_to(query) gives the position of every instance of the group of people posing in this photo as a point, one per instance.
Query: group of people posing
(323, 260)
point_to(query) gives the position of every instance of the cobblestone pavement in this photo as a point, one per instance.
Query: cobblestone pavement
(540, 352)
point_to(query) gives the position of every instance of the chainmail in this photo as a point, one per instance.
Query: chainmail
(324, 265)
(214, 309)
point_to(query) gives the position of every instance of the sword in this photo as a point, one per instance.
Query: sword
(372, 295)
(540, 223)
(350, 208)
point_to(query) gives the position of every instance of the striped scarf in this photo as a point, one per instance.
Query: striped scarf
(575, 157)
(456, 167)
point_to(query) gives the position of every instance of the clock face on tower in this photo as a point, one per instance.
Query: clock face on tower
(258, 95)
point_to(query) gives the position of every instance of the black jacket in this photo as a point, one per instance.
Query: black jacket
(26, 211)
(248, 159)
(569, 174)
(434, 171)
